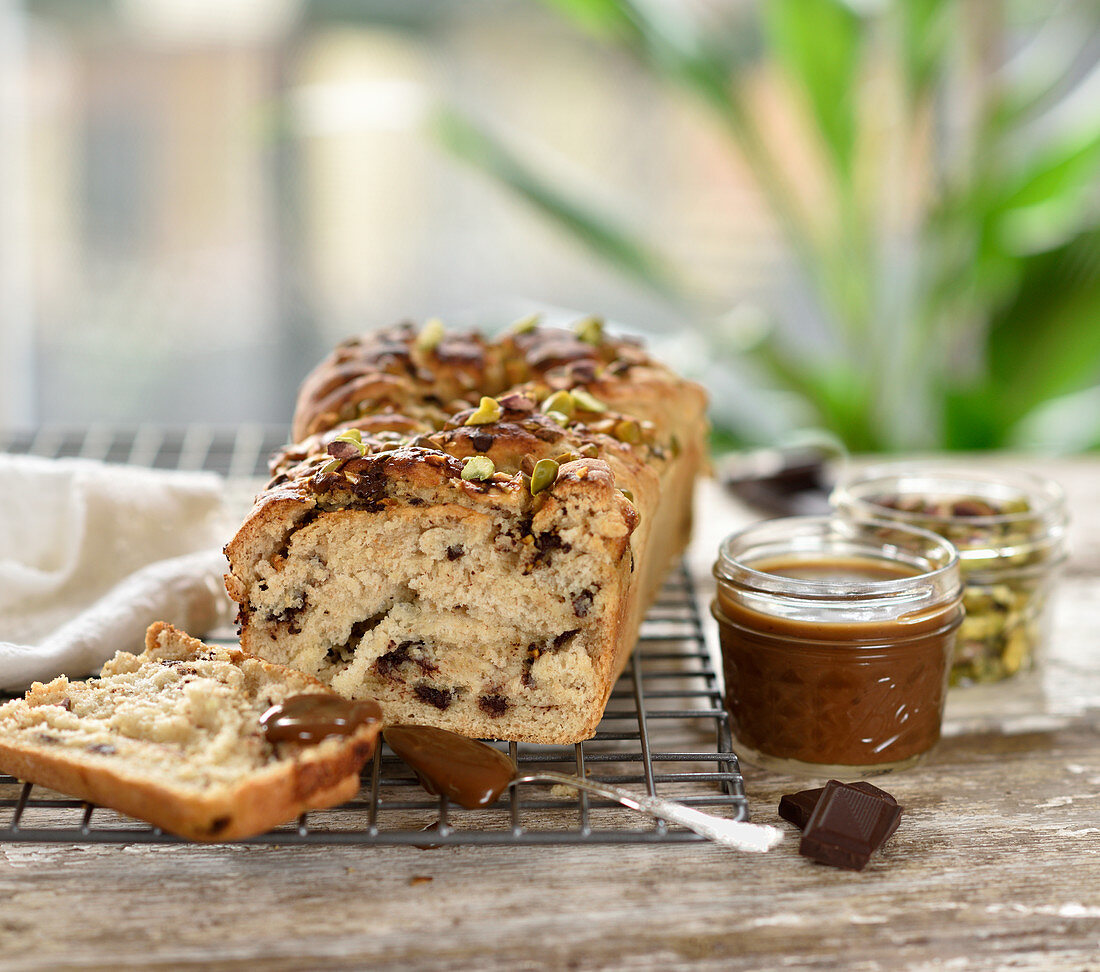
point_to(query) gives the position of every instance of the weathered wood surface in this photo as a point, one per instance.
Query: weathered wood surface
(996, 864)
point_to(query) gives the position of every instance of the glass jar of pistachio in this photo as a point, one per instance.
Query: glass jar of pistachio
(1010, 531)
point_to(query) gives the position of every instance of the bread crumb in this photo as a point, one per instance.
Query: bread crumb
(419, 879)
(563, 791)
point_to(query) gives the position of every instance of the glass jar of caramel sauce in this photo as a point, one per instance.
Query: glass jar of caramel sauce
(836, 641)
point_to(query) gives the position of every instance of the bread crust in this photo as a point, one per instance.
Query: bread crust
(314, 777)
(627, 455)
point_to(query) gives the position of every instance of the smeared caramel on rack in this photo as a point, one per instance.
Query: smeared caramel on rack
(470, 773)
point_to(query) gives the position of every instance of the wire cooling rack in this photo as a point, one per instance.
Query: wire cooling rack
(665, 731)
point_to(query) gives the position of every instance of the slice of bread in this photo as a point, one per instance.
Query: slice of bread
(173, 737)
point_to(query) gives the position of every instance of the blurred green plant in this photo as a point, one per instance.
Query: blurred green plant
(963, 312)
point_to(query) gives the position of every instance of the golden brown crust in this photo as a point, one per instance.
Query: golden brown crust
(314, 777)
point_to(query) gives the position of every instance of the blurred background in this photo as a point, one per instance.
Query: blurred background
(875, 218)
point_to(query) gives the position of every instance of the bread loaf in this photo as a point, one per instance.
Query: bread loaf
(173, 736)
(471, 530)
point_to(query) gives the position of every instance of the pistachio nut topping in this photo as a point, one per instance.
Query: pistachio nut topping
(487, 412)
(525, 325)
(586, 401)
(562, 402)
(559, 417)
(430, 335)
(544, 476)
(589, 329)
(351, 437)
(333, 465)
(628, 494)
(628, 430)
(478, 467)
(590, 450)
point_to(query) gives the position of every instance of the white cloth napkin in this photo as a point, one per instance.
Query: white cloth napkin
(91, 553)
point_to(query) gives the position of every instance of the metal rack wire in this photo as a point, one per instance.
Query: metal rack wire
(665, 730)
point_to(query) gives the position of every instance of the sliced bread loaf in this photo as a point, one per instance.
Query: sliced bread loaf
(173, 736)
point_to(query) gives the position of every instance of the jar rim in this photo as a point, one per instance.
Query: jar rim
(1046, 497)
(729, 568)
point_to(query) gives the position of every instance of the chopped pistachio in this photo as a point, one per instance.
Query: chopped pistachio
(586, 401)
(558, 417)
(560, 401)
(525, 325)
(478, 467)
(628, 430)
(430, 335)
(674, 445)
(333, 465)
(589, 329)
(1003, 592)
(628, 494)
(590, 451)
(567, 457)
(546, 472)
(353, 437)
(487, 412)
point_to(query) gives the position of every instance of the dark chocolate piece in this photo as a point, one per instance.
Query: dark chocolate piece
(797, 807)
(847, 826)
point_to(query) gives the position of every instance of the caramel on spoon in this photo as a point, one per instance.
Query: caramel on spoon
(474, 774)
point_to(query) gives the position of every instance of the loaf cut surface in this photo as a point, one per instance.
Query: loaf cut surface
(173, 737)
(470, 530)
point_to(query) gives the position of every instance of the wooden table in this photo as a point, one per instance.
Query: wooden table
(996, 864)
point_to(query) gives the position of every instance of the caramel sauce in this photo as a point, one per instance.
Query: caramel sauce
(311, 718)
(851, 693)
(836, 570)
(470, 773)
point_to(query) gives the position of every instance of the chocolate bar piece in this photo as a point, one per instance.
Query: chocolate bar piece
(847, 826)
(797, 807)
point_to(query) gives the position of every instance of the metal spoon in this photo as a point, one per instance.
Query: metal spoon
(755, 838)
(474, 774)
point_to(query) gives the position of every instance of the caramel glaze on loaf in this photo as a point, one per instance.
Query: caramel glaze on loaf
(476, 605)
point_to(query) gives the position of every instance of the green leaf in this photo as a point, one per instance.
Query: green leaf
(838, 393)
(668, 40)
(1063, 425)
(606, 19)
(924, 33)
(819, 43)
(969, 418)
(1046, 342)
(1047, 200)
(483, 150)
(1048, 66)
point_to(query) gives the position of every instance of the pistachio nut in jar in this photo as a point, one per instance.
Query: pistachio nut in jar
(1010, 531)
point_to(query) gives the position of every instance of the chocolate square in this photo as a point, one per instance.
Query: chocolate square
(848, 825)
(797, 807)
